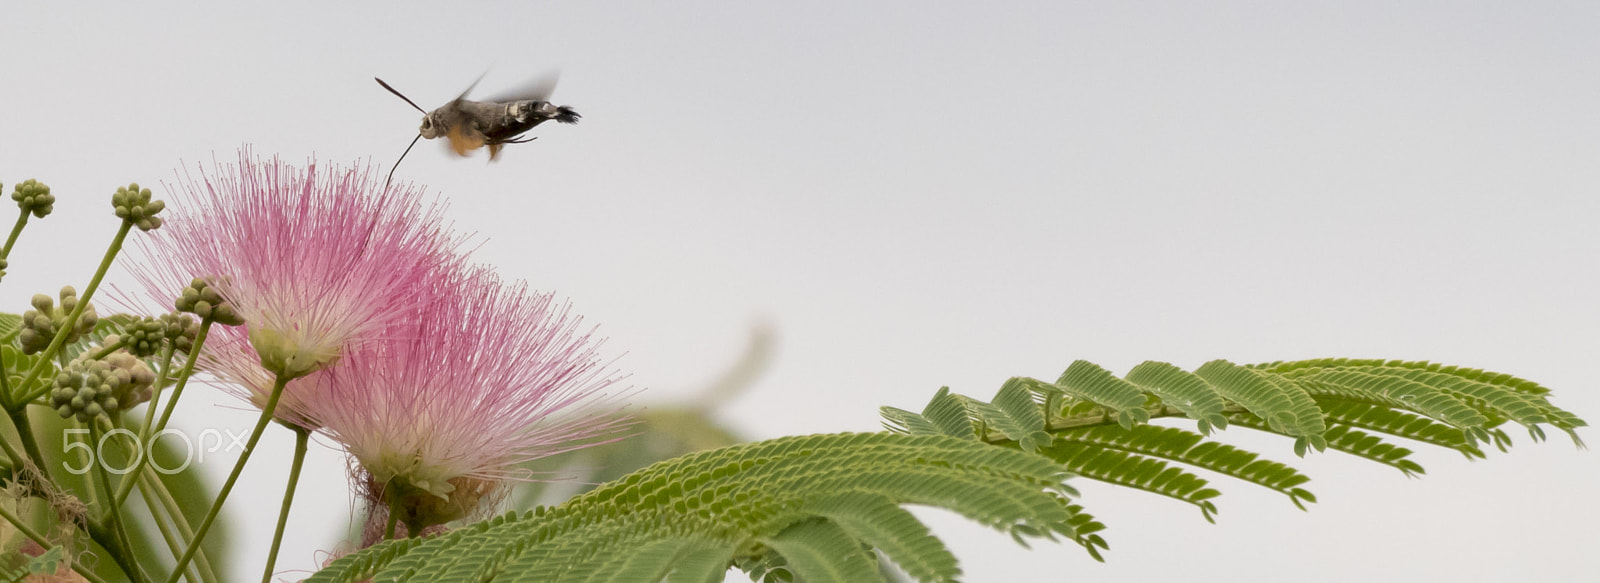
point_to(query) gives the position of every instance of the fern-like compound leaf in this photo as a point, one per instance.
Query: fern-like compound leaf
(748, 501)
(825, 507)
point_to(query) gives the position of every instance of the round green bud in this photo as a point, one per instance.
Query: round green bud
(181, 330)
(203, 299)
(143, 337)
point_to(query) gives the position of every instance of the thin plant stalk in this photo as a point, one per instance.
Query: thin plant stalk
(301, 436)
(72, 319)
(114, 514)
(238, 468)
(388, 525)
(149, 430)
(16, 230)
(19, 418)
(156, 496)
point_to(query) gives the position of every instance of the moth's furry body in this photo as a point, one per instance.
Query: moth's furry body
(470, 125)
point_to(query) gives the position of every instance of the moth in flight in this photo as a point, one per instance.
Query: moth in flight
(503, 119)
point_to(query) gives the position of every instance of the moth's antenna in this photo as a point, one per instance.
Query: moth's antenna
(402, 156)
(397, 94)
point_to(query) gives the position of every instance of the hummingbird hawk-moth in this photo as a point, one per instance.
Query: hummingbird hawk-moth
(468, 125)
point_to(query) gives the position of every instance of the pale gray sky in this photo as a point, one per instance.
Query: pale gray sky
(919, 196)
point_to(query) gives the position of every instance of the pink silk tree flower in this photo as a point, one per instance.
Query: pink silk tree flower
(232, 365)
(479, 379)
(315, 260)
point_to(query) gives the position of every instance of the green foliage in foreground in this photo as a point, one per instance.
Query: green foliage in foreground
(826, 507)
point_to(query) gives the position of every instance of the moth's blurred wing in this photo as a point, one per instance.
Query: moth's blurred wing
(470, 87)
(537, 89)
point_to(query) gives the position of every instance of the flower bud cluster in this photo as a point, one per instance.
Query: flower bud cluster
(202, 299)
(143, 337)
(34, 197)
(181, 330)
(40, 325)
(91, 388)
(133, 205)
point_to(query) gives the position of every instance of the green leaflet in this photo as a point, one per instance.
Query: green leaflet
(1087, 381)
(1285, 406)
(1181, 446)
(903, 421)
(878, 522)
(10, 326)
(947, 412)
(1182, 390)
(1351, 441)
(819, 550)
(1016, 400)
(1398, 423)
(1134, 471)
(1393, 392)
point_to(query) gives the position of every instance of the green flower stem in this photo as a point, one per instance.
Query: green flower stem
(300, 438)
(19, 418)
(113, 513)
(394, 517)
(167, 535)
(12, 455)
(156, 493)
(22, 527)
(107, 350)
(72, 320)
(155, 391)
(108, 540)
(16, 230)
(5, 384)
(184, 374)
(216, 507)
(91, 494)
(183, 380)
(1055, 423)
(155, 395)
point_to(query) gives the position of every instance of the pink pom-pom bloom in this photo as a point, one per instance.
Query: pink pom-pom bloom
(479, 379)
(315, 259)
